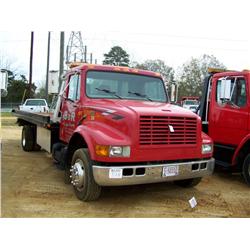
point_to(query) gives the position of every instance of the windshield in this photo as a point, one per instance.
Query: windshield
(35, 103)
(114, 85)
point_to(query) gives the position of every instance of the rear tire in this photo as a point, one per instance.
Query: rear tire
(85, 187)
(246, 169)
(188, 183)
(28, 140)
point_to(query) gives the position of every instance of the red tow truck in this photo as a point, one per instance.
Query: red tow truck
(225, 114)
(114, 126)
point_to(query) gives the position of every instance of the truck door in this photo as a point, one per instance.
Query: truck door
(228, 119)
(70, 107)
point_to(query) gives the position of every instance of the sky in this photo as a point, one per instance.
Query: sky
(173, 31)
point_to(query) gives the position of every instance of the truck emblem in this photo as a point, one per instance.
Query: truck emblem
(171, 128)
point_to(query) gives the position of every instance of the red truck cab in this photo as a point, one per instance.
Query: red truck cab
(225, 111)
(132, 133)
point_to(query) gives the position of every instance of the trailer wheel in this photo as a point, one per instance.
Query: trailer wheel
(82, 177)
(246, 169)
(28, 138)
(188, 182)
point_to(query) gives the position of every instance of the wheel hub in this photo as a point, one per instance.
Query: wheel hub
(24, 141)
(77, 174)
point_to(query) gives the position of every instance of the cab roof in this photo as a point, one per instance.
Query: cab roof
(222, 72)
(121, 69)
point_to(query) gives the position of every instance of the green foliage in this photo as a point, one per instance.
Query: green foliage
(17, 87)
(157, 66)
(116, 56)
(191, 75)
(41, 93)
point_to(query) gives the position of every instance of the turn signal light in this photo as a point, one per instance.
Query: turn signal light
(102, 150)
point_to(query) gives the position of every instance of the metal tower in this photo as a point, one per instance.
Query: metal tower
(76, 52)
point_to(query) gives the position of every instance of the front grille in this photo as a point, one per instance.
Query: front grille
(156, 130)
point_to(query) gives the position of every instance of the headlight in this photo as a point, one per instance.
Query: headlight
(119, 151)
(207, 148)
(112, 151)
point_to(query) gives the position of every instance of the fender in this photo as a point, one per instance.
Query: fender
(242, 143)
(101, 134)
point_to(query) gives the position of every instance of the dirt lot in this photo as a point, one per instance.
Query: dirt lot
(32, 187)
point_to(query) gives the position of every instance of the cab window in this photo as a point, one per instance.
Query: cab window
(238, 92)
(74, 87)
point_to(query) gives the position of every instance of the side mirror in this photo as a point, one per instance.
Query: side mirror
(225, 90)
(3, 82)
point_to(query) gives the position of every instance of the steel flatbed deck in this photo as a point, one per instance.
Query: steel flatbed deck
(40, 119)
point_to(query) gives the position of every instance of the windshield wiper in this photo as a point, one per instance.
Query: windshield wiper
(109, 92)
(141, 95)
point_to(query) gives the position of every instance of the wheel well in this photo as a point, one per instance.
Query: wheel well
(244, 151)
(76, 142)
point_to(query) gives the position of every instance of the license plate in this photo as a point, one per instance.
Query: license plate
(170, 171)
(115, 173)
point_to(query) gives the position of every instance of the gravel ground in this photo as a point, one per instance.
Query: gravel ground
(32, 187)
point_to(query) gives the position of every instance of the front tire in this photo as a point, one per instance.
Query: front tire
(85, 187)
(188, 183)
(28, 140)
(246, 169)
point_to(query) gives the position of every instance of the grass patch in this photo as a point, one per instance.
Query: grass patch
(8, 121)
(6, 114)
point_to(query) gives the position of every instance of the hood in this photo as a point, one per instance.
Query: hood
(142, 107)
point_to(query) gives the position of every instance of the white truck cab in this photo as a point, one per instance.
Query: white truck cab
(190, 104)
(34, 105)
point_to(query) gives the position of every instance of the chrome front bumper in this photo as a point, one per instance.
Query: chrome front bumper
(141, 174)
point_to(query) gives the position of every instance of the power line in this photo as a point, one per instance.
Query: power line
(180, 36)
(114, 41)
(152, 35)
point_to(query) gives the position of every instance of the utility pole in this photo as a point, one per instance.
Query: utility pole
(61, 65)
(47, 69)
(31, 62)
(91, 58)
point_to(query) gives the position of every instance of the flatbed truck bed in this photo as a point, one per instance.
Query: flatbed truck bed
(40, 119)
(44, 131)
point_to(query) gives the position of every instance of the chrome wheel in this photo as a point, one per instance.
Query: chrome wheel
(78, 175)
(81, 176)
